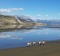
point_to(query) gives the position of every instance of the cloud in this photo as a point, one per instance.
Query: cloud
(42, 15)
(34, 17)
(10, 10)
(46, 15)
(59, 14)
(39, 15)
(15, 9)
(26, 16)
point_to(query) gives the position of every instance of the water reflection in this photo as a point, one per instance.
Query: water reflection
(18, 37)
(7, 36)
(25, 28)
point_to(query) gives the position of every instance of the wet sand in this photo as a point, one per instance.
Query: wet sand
(49, 49)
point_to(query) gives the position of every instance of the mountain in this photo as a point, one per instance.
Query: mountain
(24, 19)
(15, 20)
(50, 23)
(6, 19)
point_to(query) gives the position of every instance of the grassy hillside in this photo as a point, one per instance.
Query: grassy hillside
(8, 20)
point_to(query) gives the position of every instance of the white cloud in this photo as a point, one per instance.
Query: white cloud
(39, 15)
(42, 15)
(39, 33)
(46, 15)
(34, 17)
(26, 16)
(15, 9)
(10, 10)
(59, 14)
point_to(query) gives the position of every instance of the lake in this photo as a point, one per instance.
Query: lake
(19, 38)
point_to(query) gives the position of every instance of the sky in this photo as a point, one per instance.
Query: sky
(36, 9)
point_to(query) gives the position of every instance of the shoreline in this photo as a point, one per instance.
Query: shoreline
(51, 48)
(47, 42)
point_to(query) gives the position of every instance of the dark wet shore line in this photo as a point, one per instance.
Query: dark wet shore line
(51, 48)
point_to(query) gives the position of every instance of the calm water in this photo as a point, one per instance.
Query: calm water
(19, 38)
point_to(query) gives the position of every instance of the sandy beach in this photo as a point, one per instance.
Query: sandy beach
(49, 49)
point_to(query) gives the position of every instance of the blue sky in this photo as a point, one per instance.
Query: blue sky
(36, 9)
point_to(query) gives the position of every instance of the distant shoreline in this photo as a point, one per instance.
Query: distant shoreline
(27, 28)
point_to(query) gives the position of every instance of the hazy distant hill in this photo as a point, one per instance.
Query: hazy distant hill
(50, 23)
